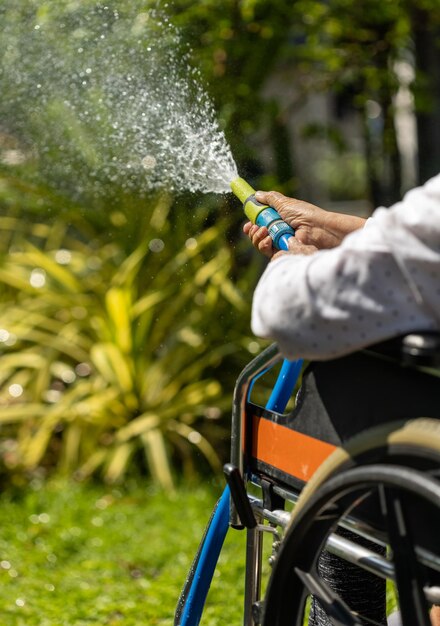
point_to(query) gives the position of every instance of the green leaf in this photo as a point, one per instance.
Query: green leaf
(117, 462)
(129, 268)
(112, 365)
(157, 457)
(118, 302)
(138, 426)
(197, 440)
(35, 258)
(21, 412)
(149, 301)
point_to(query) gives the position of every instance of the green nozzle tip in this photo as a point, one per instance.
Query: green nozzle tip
(242, 189)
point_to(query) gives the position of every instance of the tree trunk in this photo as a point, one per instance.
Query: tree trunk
(281, 142)
(427, 92)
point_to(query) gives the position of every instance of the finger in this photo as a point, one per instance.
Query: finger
(272, 198)
(266, 247)
(260, 238)
(290, 209)
(250, 229)
(259, 234)
(247, 227)
(253, 231)
(302, 236)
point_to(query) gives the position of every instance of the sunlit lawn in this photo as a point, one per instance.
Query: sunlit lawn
(74, 554)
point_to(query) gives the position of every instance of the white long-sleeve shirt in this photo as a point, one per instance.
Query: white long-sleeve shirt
(383, 280)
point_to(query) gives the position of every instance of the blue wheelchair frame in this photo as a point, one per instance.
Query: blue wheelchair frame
(192, 599)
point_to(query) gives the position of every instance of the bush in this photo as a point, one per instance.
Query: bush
(112, 360)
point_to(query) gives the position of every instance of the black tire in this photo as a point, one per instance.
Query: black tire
(403, 492)
(409, 445)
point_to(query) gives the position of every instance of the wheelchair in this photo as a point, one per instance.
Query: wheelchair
(371, 499)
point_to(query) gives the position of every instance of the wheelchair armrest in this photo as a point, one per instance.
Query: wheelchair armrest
(419, 348)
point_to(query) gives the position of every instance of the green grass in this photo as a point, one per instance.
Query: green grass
(84, 554)
(78, 554)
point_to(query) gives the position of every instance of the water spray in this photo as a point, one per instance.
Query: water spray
(262, 214)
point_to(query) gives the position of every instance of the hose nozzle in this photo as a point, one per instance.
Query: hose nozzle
(262, 214)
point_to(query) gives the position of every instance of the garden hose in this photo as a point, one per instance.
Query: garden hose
(262, 214)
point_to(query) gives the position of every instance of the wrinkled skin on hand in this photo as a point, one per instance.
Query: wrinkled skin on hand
(315, 228)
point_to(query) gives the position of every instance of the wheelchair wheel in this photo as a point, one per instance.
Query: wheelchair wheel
(390, 475)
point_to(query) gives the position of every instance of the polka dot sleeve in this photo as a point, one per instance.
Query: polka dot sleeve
(381, 281)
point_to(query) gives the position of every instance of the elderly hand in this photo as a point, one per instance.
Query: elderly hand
(259, 235)
(313, 226)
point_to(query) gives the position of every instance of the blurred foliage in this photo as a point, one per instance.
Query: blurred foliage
(238, 45)
(109, 359)
(343, 49)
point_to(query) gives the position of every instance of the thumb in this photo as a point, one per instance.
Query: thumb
(274, 199)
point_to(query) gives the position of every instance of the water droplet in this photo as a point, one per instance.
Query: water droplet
(52, 396)
(148, 162)
(156, 245)
(68, 376)
(213, 413)
(253, 347)
(83, 369)
(191, 243)
(63, 257)
(15, 390)
(4, 335)
(38, 278)
(160, 111)
(194, 437)
(11, 340)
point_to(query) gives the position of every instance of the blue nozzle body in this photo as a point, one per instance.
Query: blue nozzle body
(283, 241)
(262, 215)
(279, 230)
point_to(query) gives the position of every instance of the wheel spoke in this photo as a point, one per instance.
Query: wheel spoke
(409, 575)
(332, 604)
(403, 494)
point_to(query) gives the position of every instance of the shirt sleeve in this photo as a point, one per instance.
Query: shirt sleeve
(383, 280)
